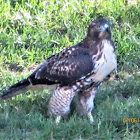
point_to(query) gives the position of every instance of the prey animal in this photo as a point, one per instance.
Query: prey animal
(77, 70)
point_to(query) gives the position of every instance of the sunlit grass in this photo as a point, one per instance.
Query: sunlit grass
(31, 31)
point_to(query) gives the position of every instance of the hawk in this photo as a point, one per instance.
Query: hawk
(77, 70)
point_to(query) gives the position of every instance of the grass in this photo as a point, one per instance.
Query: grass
(32, 31)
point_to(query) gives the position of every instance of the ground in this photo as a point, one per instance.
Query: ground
(31, 32)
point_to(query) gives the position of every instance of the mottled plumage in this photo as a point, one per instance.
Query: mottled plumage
(77, 70)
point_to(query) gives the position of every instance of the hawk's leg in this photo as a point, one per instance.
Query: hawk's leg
(85, 102)
(60, 101)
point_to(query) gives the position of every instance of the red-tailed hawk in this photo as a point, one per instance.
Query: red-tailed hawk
(77, 70)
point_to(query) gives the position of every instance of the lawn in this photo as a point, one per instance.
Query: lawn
(31, 31)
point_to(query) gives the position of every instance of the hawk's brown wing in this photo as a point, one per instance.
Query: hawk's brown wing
(66, 67)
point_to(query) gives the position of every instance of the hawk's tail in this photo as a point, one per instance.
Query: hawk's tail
(16, 89)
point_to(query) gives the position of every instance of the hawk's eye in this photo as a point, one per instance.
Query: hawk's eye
(98, 26)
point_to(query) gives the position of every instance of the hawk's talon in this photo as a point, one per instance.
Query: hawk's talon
(58, 118)
(90, 118)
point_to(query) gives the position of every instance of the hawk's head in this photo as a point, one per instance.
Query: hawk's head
(99, 29)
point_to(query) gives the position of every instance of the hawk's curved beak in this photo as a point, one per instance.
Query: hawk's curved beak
(106, 27)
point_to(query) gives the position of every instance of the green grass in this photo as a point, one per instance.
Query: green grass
(32, 31)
